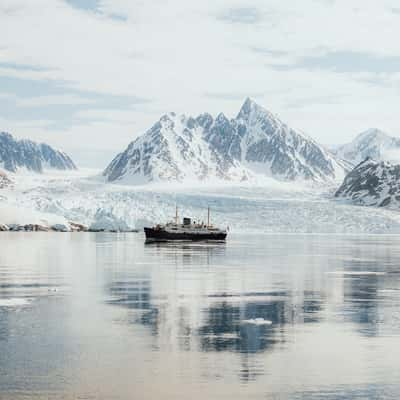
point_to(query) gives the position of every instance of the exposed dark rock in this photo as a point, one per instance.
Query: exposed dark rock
(372, 183)
(5, 181)
(15, 154)
(77, 227)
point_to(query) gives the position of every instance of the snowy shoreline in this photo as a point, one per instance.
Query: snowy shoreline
(26, 229)
(70, 227)
(21, 219)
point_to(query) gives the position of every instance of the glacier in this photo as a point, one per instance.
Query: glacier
(269, 206)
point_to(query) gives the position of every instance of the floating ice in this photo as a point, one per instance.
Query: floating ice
(356, 273)
(257, 321)
(13, 302)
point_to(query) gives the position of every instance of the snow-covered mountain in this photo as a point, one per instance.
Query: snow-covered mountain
(254, 143)
(16, 154)
(372, 143)
(372, 183)
(173, 149)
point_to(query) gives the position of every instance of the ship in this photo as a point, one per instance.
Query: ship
(187, 230)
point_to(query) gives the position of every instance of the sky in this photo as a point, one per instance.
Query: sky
(89, 76)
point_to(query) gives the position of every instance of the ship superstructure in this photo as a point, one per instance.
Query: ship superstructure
(186, 230)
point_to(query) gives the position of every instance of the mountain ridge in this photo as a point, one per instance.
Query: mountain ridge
(372, 183)
(255, 142)
(24, 153)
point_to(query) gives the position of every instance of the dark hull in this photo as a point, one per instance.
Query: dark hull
(163, 236)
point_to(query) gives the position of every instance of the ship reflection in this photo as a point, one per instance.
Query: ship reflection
(188, 253)
(186, 247)
(185, 244)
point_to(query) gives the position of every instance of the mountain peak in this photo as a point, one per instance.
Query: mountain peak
(372, 133)
(248, 107)
(221, 119)
(372, 143)
(24, 153)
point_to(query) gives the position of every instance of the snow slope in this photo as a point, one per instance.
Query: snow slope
(372, 143)
(18, 215)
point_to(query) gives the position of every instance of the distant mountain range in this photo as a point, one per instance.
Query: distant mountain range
(256, 142)
(17, 154)
(372, 183)
(372, 143)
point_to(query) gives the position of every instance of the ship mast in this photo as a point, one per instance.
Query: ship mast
(176, 215)
(208, 217)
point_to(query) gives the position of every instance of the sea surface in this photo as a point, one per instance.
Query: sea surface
(267, 316)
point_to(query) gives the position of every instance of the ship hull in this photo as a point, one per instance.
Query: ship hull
(160, 235)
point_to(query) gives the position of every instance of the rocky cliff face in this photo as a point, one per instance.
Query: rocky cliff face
(254, 143)
(372, 183)
(16, 154)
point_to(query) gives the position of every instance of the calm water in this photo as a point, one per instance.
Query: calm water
(102, 316)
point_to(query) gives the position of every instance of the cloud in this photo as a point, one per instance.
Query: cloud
(109, 115)
(84, 4)
(66, 99)
(236, 96)
(241, 15)
(348, 61)
(306, 101)
(327, 67)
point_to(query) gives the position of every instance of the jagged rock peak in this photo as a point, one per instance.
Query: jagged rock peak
(251, 107)
(252, 114)
(205, 120)
(221, 119)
